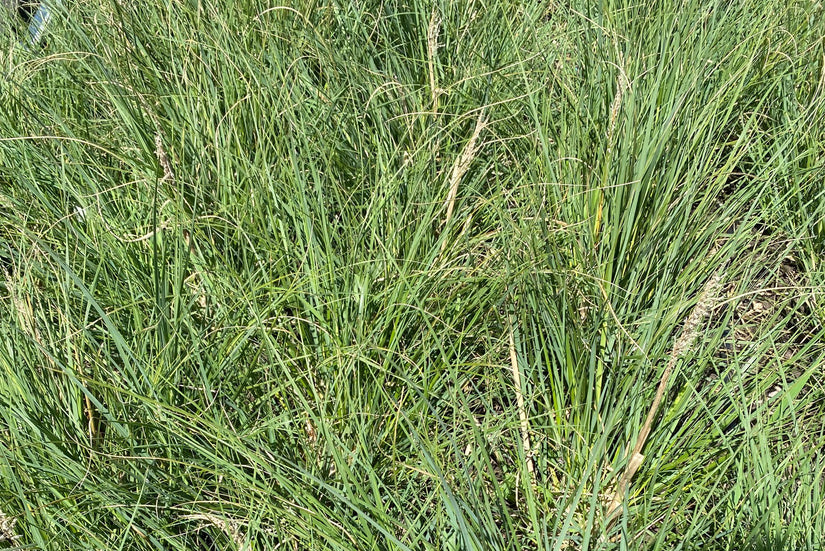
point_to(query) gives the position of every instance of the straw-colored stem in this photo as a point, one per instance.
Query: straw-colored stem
(522, 412)
(689, 333)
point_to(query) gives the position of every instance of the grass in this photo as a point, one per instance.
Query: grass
(413, 275)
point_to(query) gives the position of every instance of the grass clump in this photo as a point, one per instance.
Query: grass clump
(413, 275)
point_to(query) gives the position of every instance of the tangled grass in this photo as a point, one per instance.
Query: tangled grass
(413, 275)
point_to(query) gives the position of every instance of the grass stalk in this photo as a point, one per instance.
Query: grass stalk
(462, 164)
(690, 331)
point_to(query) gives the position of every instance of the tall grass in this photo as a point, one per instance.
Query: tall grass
(407, 275)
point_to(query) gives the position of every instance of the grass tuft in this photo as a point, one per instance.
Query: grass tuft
(413, 275)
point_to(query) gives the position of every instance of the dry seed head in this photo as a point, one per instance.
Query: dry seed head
(23, 309)
(622, 85)
(432, 48)
(229, 527)
(693, 323)
(462, 164)
(7, 528)
(163, 158)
